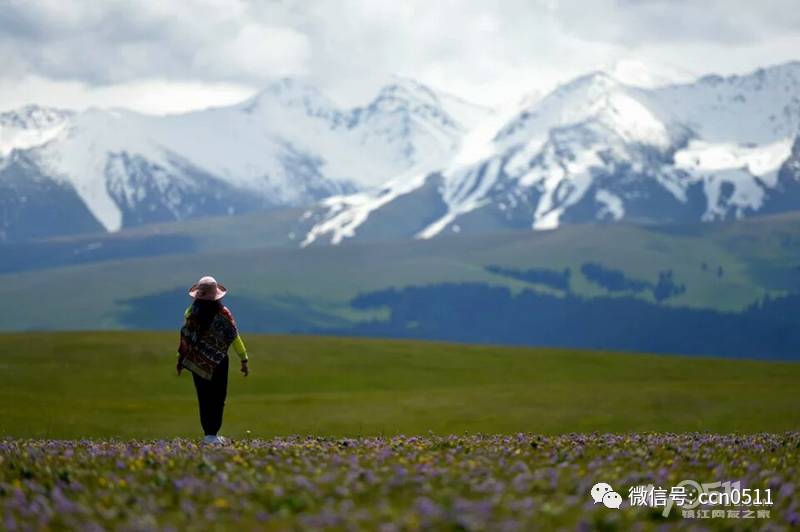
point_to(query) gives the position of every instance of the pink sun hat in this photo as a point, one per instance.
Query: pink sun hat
(207, 288)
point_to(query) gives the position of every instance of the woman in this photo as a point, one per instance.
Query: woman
(209, 329)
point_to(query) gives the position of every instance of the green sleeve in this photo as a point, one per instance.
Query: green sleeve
(241, 350)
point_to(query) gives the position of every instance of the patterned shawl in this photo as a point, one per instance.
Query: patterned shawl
(202, 350)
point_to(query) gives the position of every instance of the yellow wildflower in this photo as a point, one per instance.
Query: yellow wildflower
(220, 503)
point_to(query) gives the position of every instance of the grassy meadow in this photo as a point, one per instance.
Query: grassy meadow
(123, 384)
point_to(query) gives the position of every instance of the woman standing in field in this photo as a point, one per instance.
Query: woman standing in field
(208, 331)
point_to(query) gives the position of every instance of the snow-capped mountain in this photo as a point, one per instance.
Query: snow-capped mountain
(621, 144)
(63, 172)
(597, 149)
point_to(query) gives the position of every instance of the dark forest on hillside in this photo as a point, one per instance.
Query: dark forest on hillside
(476, 312)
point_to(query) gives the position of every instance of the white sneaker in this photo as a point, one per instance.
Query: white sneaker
(208, 439)
(221, 440)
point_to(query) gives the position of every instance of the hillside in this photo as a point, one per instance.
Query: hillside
(123, 385)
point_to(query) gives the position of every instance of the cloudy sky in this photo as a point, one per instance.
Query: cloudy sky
(169, 56)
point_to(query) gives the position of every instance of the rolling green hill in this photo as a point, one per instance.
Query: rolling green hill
(124, 385)
(721, 266)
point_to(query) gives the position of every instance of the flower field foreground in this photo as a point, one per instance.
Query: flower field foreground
(473, 482)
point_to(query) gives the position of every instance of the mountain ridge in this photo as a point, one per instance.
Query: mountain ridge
(288, 145)
(597, 150)
(414, 161)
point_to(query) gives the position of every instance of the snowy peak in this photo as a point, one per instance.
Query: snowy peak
(31, 126)
(415, 99)
(570, 103)
(287, 94)
(405, 93)
(404, 129)
(594, 97)
(404, 103)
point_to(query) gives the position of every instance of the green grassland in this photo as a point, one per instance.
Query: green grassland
(115, 384)
(314, 286)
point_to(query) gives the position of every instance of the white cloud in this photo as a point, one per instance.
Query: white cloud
(257, 52)
(116, 41)
(485, 51)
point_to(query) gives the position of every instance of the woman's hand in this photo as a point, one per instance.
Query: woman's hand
(245, 370)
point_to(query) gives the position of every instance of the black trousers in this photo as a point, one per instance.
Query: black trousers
(211, 398)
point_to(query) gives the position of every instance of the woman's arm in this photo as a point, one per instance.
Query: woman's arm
(239, 347)
(178, 366)
(241, 350)
(238, 343)
(185, 317)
